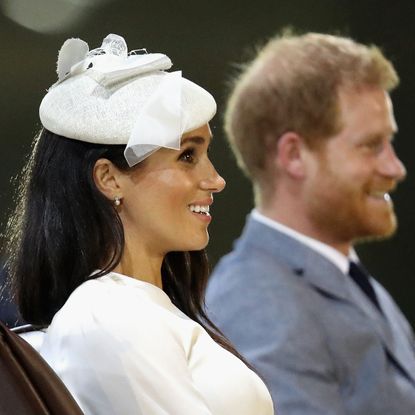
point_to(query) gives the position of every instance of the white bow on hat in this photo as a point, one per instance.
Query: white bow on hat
(108, 96)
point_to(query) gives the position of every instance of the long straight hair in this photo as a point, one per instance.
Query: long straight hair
(63, 229)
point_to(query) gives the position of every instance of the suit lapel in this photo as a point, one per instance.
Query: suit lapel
(327, 278)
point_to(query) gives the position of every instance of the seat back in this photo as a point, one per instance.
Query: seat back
(32, 335)
(28, 385)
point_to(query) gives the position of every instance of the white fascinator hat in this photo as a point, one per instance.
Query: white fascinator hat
(110, 96)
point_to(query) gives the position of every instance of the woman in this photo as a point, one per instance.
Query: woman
(108, 239)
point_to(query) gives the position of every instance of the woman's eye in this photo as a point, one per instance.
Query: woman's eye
(187, 156)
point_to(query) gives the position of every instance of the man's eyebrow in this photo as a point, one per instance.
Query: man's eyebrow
(197, 139)
(380, 136)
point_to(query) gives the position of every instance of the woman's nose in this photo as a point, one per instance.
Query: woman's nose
(220, 183)
(214, 182)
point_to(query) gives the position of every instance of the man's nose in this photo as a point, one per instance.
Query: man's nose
(391, 166)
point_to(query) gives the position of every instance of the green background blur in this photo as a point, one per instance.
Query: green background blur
(205, 39)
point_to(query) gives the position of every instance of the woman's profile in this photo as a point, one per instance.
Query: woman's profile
(107, 242)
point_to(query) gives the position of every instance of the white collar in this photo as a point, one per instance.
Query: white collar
(340, 260)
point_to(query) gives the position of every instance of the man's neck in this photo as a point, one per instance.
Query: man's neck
(338, 258)
(299, 222)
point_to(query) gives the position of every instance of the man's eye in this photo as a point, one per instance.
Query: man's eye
(187, 156)
(375, 146)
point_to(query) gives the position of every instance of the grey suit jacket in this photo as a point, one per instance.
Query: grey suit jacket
(319, 343)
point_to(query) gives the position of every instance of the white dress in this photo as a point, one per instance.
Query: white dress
(122, 348)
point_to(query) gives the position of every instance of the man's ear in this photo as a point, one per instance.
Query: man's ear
(290, 154)
(107, 178)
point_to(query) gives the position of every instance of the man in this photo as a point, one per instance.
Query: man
(311, 123)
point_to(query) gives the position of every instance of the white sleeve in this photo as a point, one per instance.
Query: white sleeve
(126, 358)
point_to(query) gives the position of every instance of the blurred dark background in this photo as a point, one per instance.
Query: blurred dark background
(205, 39)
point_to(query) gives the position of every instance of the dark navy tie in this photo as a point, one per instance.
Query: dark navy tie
(361, 277)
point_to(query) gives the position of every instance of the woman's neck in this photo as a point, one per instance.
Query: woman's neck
(141, 265)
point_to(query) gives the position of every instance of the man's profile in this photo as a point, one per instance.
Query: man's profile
(310, 120)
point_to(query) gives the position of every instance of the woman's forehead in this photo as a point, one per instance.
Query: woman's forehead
(202, 132)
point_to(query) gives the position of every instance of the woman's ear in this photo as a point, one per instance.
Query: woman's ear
(290, 154)
(107, 178)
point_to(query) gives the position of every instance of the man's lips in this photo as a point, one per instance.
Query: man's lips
(381, 195)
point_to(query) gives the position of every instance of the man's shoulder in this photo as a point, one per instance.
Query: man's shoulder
(247, 291)
(248, 268)
(260, 256)
(247, 278)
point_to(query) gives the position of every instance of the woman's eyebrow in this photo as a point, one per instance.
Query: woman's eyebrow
(195, 140)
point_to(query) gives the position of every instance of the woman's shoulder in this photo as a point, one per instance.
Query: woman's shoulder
(114, 303)
(100, 294)
(129, 316)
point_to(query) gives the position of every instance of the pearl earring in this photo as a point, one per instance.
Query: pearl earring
(117, 201)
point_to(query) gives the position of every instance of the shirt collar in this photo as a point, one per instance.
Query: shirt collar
(340, 260)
